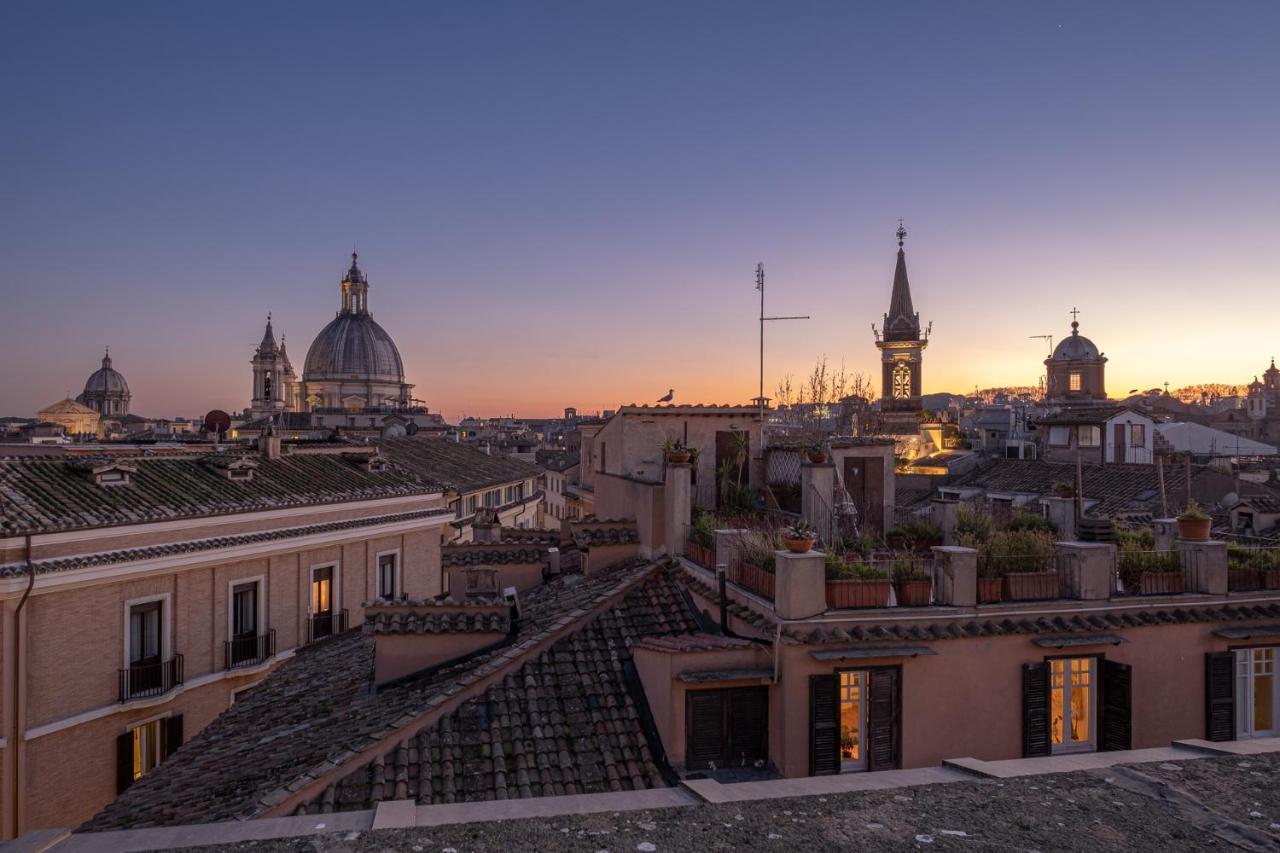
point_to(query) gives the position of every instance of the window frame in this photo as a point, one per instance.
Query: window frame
(397, 577)
(1093, 431)
(1075, 381)
(1095, 703)
(260, 613)
(166, 625)
(1140, 430)
(1244, 698)
(335, 589)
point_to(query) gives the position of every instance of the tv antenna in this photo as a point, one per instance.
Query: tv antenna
(763, 320)
(1048, 338)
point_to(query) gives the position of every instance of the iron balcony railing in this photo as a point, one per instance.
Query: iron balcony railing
(321, 625)
(249, 651)
(153, 679)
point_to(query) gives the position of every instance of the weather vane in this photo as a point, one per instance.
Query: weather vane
(902, 232)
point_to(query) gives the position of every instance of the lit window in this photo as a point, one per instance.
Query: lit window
(1074, 380)
(148, 747)
(1071, 704)
(1137, 435)
(901, 381)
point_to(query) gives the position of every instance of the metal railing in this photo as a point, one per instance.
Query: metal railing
(901, 582)
(1251, 568)
(155, 679)
(1154, 572)
(1021, 577)
(249, 651)
(321, 625)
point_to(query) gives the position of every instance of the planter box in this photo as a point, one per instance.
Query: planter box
(858, 593)
(1160, 583)
(1029, 586)
(913, 593)
(1271, 578)
(990, 590)
(1239, 580)
(701, 554)
(752, 577)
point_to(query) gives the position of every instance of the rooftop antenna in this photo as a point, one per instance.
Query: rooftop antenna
(1048, 338)
(763, 320)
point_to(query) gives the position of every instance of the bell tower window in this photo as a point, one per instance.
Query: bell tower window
(901, 380)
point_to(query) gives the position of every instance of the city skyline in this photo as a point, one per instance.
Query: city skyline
(538, 199)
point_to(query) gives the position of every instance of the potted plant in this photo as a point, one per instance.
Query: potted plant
(911, 582)
(800, 537)
(816, 453)
(855, 584)
(1024, 559)
(1063, 489)
(1150, 572)
(676, 452)
(702, 540)
(1194, 524)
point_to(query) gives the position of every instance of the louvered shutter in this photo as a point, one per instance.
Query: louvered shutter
(748, 725)
(704, 728)
(1117, 727)
(1220, 696)
(172, 734)
(124, 762)
(1035, 709)
(824, 726)
(884, 719)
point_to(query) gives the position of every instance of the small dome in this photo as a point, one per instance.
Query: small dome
(353, 346)
(1075, 347)
(106, 380)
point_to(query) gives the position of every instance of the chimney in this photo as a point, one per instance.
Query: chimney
(553, 561)
(269, 444)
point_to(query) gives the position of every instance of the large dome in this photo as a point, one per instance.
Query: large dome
(106, 380)
(1075, 347)
(353, 346)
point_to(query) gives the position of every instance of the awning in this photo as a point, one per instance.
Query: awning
(703, 676)
(859, 652)
(1248, 633)
(1079, 640)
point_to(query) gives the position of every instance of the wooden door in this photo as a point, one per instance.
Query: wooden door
(864, 481)
(1119, 453)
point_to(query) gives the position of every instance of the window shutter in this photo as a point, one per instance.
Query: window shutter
(704, 727)
(1035, 709)
(824, 726)
(884, 719)
(124, 761)
(1219, 694)
(748, 725)
(1117, 724)
(172, 734)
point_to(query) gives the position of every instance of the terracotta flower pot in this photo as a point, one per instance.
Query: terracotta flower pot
(798, 546)
(990, 590)
(913, 593)
(858, 592)
(816, 457)
(1194, 529)
(678, 457)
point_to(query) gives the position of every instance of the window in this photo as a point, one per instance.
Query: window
(387, 580)
(1088, 436)
(324, 620)
(1073, 380)
(1137, 435)
(471, 504)
(144, 634)
(855, 720)
(141, 749)
(1256, 692)
(1059, 436)
(1072, 704)
(244, 646)
(901, 380)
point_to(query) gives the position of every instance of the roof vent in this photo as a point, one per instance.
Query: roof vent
(239, 469)
(111, 473)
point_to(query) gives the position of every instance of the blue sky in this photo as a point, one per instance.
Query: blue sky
(563, 204)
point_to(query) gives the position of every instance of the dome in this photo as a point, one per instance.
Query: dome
(353, 346)
(106, 380)
(1076, 347)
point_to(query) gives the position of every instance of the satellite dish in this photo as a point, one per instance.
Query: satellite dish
(217, 421)
(1230, 499)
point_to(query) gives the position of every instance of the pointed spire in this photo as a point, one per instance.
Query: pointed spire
(268, 337)
(901, 323)
(353, 274)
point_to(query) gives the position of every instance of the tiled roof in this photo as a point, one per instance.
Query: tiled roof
(316, 710)
(437, 618)
(565, 723)
(46, 494)
(1263, 503)
(1084, 414)
(456, 466)
(106, 558)
(484, 554)
(594, 533)
(693, 643)
(689, 409)
(1102, 620)
(860, 441)
(1116, 486)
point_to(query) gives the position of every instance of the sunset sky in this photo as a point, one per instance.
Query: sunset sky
(563, 204)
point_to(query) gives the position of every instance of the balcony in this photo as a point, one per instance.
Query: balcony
(321, 625)
(155, 679)
(250, 651)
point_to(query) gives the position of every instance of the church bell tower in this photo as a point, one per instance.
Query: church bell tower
(270, 376)
(901, 343)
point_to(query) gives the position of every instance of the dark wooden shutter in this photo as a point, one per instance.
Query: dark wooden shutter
(1220, 696)
(884, 719)
(124, 762)
(748, 725)
(172, 734)
(1035, 709)
(1117, 717)
(824, 726)
(705, 740)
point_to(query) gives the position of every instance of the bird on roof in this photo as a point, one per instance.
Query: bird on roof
(671, 394)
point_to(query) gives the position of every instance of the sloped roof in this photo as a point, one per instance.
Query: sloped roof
(1116, 486)
(67, 406)
(454, 465)
(316, 710)
(46, 494)
(1200, 440)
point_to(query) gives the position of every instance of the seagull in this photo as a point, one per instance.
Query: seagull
(671, 393)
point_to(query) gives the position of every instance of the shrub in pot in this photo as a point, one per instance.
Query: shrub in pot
(816, 454)
(675, 451)
(855, 584)
(1194, 524)
(800, 537)
(912, 584)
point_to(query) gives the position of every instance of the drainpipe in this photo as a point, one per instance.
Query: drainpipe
(15, 730)
(724, 604)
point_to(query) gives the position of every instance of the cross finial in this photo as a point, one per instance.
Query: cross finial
(902, 232)
(1075, 313)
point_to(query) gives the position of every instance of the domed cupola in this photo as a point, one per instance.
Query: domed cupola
(1076, 372)
(353, 362)
(106, 391)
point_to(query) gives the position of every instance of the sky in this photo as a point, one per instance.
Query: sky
(563, 204)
